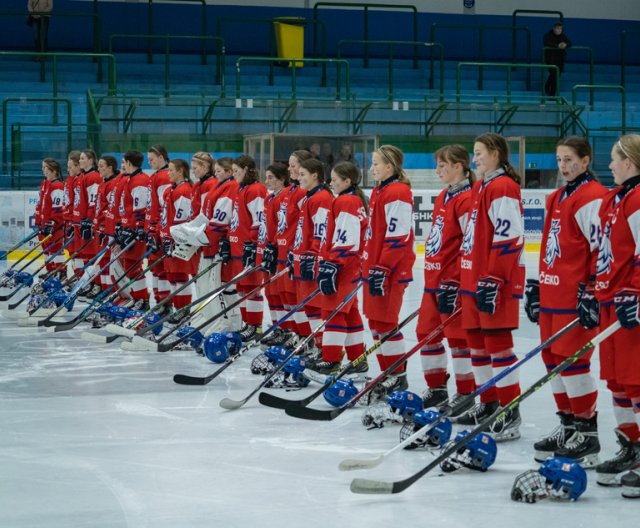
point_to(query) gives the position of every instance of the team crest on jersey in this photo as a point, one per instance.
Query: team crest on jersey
(467, 240)
(434, 242)
(298, 238)
(76, 200)
(111, 198)
(262, 232)
(163, 217)
(65, 200)
(553, 244)
(605, 255)
(234, 218)
(282, 218)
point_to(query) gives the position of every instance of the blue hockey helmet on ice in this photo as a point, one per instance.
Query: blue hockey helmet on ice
(195, 338)
(436, 436)
(218, 347)
(51, 284)
(479, 454)
(153, 318)
(295, 368)
(119, 313)
(59, 298)
(24, 278)
(567, 478)
(340, 392)
(105, 308)
(277, 354)
(405, 403)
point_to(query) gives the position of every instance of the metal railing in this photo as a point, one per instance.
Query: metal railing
(220, 53)
(514, 18)
(481, 29)
(509, 66)
(605, 87)
(623, 53)
(339, 63)
(589, 51)
(391, 44)
(366, 7)
(54, 56)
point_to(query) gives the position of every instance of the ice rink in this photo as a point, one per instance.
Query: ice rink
(94, 436)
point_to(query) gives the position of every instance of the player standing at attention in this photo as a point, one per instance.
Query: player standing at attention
(388, 259)
(492, 281)
(70, 203)
(617, 288)
(569, 246)
(442, 282)
(51, 211)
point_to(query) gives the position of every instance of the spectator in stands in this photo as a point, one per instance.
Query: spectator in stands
(39, 21)
(555, 43)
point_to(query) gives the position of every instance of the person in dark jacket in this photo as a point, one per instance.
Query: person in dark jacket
(555, 43)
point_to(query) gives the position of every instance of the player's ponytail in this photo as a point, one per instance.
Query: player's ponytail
(496, 143)
(247, 162)
(457, 154)
(395, 157)
(316, 167)
(346, 170)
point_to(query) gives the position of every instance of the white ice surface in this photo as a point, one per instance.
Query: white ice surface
(92, 436)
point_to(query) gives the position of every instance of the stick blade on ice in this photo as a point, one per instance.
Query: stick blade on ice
(120, 330)
(371, 487)
(350, 464)
(229, 404)
(183, 379)
(271, 400)
(308, 413)
(144, 344)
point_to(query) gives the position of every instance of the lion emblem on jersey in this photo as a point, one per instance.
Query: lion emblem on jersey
(553, 244)
(298, 238)
(434, 242)
(282, 218)
(163, 217)
(262, 231)
(111, 197)
(234, 218)
(467, 240)
(605, 255)
(76, 200)
(66, 199)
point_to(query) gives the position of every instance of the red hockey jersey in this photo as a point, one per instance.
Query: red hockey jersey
(269, 226)
(246, 216)
(69, 194)
(199, 193)
(218, 207)
(105, 219)
(618, 263)
(288, 214)
(133, 199)
(493, 241)
(390, 236)
(176, 209)
(569, 244)
(344, 243)
(158, 184)
(52, 204)
(442, 248)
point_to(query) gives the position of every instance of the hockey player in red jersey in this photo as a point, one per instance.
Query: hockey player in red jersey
(37, 214)
(246, 217)
(617, 288)
(72, 199)
(442, 281)
(388, 258)
(158, 183)
(339, 271)
(132, 195)
(310, 233)
(569, 245)
(276, 178)
(90, 181)
(51, 211)
(176, 209)
(492, 281)
(104, 221)
(202, 165)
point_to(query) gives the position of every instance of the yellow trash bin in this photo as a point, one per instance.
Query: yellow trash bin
(290, 38)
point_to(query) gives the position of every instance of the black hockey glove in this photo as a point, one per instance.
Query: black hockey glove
(488, 294)
(86, 228)
(249, 250)
(308, 266)
(290, 263)
(127, 235)
(152, 242)
(627, 304)
(69, 230)
(328, 277)
(378, 279)
(141, 234)
(448, 296)
(270, 258)
(588, 306)
(167, 246)
(224, 250)
(532, 300)
(47, 228)
(118, 233)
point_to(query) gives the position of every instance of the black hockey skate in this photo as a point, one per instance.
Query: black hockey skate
(583, 446)
(506, 427)
(434, 397)
(478, 413)
(547, 446)
(249, 332)
(392, 383)
(631, 485)
(453, 404)
(609, 472)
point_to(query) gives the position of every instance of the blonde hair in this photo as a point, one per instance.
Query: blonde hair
(628, 147)
(395, 157)
(457, 154)
(204, 157)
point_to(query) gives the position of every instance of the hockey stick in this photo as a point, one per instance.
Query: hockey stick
(100, 298)
(353, 463)
(89, 274)
(128, 331)
(183, 379)
(38, 270)
(158, 346)
(308, 413)
(228, 403)
(6, 276)
(18, 244)
(360, 485)
(271, 400)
